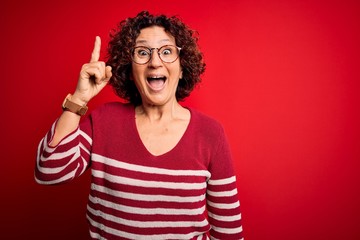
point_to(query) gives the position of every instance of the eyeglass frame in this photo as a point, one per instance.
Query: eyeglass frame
(151, 52)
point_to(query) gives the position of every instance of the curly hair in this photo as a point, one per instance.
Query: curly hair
(122, 41)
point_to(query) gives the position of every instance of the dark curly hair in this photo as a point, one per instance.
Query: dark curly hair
(122, 41)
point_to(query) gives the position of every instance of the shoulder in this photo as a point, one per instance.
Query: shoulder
(112, 110)
(114, 105)
(205, 123)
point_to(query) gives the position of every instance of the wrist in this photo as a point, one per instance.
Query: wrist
(74, 105)
(76, 99)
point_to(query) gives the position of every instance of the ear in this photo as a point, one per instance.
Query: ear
(181, 74)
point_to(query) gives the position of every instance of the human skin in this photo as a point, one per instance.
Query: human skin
(160, 119)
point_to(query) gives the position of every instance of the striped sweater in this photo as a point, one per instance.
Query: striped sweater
(187, 193)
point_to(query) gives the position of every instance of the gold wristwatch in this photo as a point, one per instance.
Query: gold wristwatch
(70, 106)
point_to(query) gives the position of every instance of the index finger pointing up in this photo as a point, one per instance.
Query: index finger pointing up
(95, 55)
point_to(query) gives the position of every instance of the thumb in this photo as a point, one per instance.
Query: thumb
(99, 86)
(108, 72)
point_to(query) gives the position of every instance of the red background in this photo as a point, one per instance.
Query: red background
(282, 77)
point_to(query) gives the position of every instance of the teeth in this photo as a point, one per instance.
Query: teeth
(156, 77)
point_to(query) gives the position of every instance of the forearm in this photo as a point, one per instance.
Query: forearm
(67, 123)
(64, 153)
(93, 78)
(68, 159)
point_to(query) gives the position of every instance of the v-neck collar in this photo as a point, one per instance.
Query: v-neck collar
(178, 145)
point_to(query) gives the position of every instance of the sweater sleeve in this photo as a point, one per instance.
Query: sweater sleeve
(68, 159)
(222, 197)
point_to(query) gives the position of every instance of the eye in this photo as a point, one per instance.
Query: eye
(167, 51)
(142, 52)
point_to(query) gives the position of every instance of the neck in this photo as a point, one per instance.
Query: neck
(156, 113)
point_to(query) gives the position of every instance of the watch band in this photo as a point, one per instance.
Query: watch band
(70, 106)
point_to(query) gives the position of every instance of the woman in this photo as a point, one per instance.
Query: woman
(159, 170)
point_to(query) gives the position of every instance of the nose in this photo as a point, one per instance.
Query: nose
(155, 60)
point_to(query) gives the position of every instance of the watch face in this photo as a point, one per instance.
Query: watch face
(82, 110)
(73, 107)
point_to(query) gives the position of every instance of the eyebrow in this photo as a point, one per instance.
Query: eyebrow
(145, 41)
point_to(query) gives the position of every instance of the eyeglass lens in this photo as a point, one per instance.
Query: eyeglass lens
(167, 53)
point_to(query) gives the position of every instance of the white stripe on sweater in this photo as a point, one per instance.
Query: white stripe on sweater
(75, 151)
(147, 224)
(66, 177)
(222, 181)
(147, 211)
(147, 197)
(133, 236)
(144, 169)
(227, 230)
(148, 184)
(65, 140)
(223, 193)
(225, 218)
(224, 205)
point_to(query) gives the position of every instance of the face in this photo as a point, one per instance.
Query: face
(156, 81)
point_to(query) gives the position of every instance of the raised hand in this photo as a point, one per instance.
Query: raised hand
(93, 77)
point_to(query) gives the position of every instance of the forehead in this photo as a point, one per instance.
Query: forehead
(154, 36)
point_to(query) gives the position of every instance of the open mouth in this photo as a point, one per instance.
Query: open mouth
(156, 82)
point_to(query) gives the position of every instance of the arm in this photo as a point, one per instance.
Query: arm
(222, 197)
(64, 153)
(93, 78)
(68, 159)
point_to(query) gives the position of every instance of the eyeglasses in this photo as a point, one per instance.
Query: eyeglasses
(167, 54)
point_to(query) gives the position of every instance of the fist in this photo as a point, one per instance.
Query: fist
(93, 77)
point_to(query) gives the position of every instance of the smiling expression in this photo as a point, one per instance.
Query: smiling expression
(156, 81)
